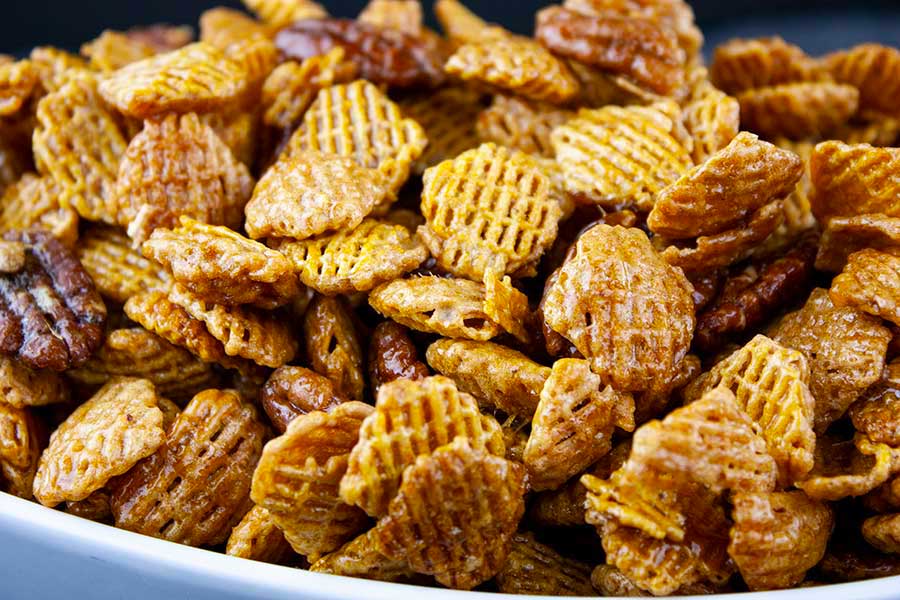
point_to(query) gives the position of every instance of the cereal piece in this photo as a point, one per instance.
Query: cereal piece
(358, 121)
(869, 127)
(12, 256)
(57, 67)
(873, 69)
(106, 436)
(112, 50)
(611, 582)
(798, 110)
(883, 532)
(777, 537)
(463, 26)
(195, 78)
(870, 282)
(297, 479)
(515, 65)
(279, 13)
(332, 346)
(402, 15)
(136, 352)
(291, 87)
(51, 315)
(17, 81)
(258, 56)
(21, 386)
(356, 260)
(621, 156)
(713, 120)
(506, 306)
(854, 180)
(32, 202)
(95, 507)
(78, 143)
(769, 383)
(488, 209)
(257, 537)
(573, 424)
(744, 64)
(21, 440)
(498, 376)
(845, 348)
(383, 56)
(393, 355)
(294, 391)
(222, 266)
(118, 270)
(731, 185)
(878, 415)
(798, 217)
(194, 489)
(361, 557)
(411, 418)
(178, 166)
(221, 26)
(447, 307)
(535, 569)
(448, 117)
(637, 48)
(163, 37)
(15, 156)
(847, 469)
(455, 514)
(845, 235)
(633, 349)
(257, 336)
(521, 125)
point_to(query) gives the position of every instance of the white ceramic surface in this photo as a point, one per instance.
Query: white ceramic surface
(49, 554)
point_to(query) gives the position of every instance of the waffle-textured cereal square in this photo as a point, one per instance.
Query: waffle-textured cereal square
(743, 64)
(402, 15)
(535, 569)
(332, 345)
(842, 236)
(870, 282)
(22, 438)
(873, 69)
(17, 82)
(32, 202)
(56, 67)
(448, 117)
(112, 50)
(258, 537)
(463, 26)
(221, 26)
(798, 110)
(850, 180)
(520, 124)
(712, 118)
(360, 557)
(278, 13)
(118, 270)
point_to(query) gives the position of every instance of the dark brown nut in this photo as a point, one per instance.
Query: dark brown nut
(845, 235)
(874, 70)
(743, 64)
(848, 563)
(383, 56)
(51, 315)
(707, 285)
(22, 438)
(94, 508)
(798, 110)
(360, 557)
(393, 355)
(536, 569)
(634, 47)
(196, 487)
(776, 285)
(332, 346)
(294, 391)
(878, 415)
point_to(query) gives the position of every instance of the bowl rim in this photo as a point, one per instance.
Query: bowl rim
(123, 547)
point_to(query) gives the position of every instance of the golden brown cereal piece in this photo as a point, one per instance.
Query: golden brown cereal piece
(869, 127)
(296, 196)
(291, 87)
(498, 376)
(17, 81)
(118, 270)
(845, 348)
(163, 37)
(554, 172)
(332, 346)
(355, 260)
(488, 209)
(358, 121)
(847, 469)
(615, 156)
(22, 438)
(728, 187)
(95, 507)
(12, 256)
(178, 166)
(279, 13)
(57, 67)
(636, 349)
(294, 391)
(521, 125)
(854, 180)
(743, 64)
(78, 142)
(393, 355)
(136, 352)
(238, 129)
(448, 116)
(196, 78)
(257, 537)
(112, 50)
(221, 26)
(222, 266)
(573, 424)
(360, 557)
(297, 479)
(448, 307)
(870, 282)
(845, 235)
(506, 306)
(455, 514)
(798, 110)
(463, 26)
(32, 202)
(411, 418)
(712, 118)
(535, 569)
(874, 70)
(515, 65)
(258, 56)
(798, 217)
(106, 436)
(402, 15)
(777, 537)
(878, 416)
(21, 386)
(769, 383)
(194, 489)
(883, 532)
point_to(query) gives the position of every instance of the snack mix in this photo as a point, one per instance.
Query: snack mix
(568, 314)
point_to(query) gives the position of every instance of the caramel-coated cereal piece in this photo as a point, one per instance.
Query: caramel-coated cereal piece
(455, 514)
(777, 537)
(221, 26)
(163, 37)
(402, 15)
(238, 129)
(22, 437)
(633, 349)
(870, 282)
(883, 532)
(196, 78)
(712, 118)
(21, 386)
(521, 125)
(846, 469)
(12, 256)
(878, 415)
(294, 391)
(258, 537)
(57, 67)
(360, 557)
(258, 56)
(32, 202)
(463, 26)
(106, 436)
(854, 180)
(798, 110)
(874, 70)
(845, 235)
(448, 307)
(332, 346)
(448, 116)
(17, 82)
(118, 270)
(297, 479)
(536, 569)
(506, 306)
(393, 355)
(279, 13)
(411, 418)
(112, 50)
(743, 64)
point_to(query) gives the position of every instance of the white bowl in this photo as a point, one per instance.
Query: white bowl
(49, 554)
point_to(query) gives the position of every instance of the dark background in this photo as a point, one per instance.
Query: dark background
(818, 25)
